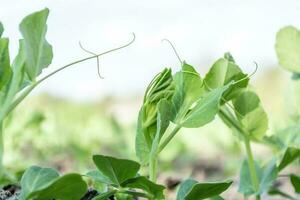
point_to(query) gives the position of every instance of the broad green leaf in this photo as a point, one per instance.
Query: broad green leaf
(36, 178)
(5, 70)
(289, 156)
(251, 114)
(184, 188)
(266, 177)
(38, 51)
(116, 170)
(207, 190)
(141, 182)
(245, 184)
(295, 180)
(222, 73)
(205, 109)
(97, 176)
(67, 187)
(1, 29)
(188, 89)
(288, 48)
(216, 198)
(159, 88)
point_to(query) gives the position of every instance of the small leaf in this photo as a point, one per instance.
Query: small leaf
(184, 188)
(207, 190)
(251, 114)
(245, 184)
(289, 156)
(5, 70)
(288, 48)
(205, 109)
(295, 180)
(105, 195)
(268, 177)
(1, 29)
(67, 187)
(188, 89)
(38, 51)
(141, 182)
(97, 176)
(116, 170)
(36, 178)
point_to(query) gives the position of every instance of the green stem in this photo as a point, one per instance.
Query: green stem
(169, 138)
(153, 168)
(136, 194)
(1, 149)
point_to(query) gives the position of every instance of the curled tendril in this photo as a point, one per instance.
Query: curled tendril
(97, 58)
(176, 53)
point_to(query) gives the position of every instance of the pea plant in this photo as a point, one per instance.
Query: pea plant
(172, 101)
(20, 77)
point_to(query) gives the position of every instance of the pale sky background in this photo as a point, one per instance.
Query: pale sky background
(202, 30)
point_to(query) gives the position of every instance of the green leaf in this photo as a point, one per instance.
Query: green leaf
(288, 48)
(216, 198)
(184, 188)
(289, 156)
(67, 187)
(141, 182)
(97, 176)
(116, 170)
(250, 114)
(159, 88)
(5, 70)
(207, 190)
(205, 109)
(266, 176)
(188, 89)
(1, 29)
(36, 178)
(222, 73)
(276, 191)
(38, 51)
(295, 180)
(105, 195)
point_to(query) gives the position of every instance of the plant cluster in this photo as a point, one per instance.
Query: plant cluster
(172, 101)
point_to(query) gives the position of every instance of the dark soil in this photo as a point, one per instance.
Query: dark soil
(90, 194)
(10, 192)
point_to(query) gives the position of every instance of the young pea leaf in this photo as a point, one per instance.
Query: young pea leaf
(295, 180)
(38, 51)
(141, 182)
(116, 170)
(288, 48)
(99, 177)
(184, 188)
(250, 114)
(1, 29)
(159, 88)
(207, 190)
(289, 156)
(245, 184)
(266, 177)
(36, 178)
(188, 89)
(216, 198)
(205, 109)
(5, 70)
(222, 73)
(67, 187)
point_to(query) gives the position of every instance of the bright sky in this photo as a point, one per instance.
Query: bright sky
(202, 30)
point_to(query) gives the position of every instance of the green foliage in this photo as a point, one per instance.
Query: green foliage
(289, 156)
(1, 29)
(45, 183)
(266, 177)
(295, 180)
(288, 48)
(192, 190)
(38, 51)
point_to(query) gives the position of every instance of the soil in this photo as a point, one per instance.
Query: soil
(10, 192)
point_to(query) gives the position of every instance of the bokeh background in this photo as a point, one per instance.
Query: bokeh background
(76, 114)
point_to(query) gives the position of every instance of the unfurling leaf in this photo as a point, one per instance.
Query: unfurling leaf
(38, 51)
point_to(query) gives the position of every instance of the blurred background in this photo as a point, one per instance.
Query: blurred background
(76, 114)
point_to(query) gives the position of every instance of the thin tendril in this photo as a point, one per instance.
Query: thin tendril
(97, 58)
(176, 53)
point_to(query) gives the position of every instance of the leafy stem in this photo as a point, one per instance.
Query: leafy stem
(169, 138)
(135, 193)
